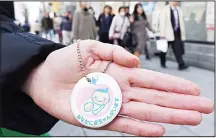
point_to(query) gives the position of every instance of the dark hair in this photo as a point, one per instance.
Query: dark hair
(122, 7)
(136, 14)
(107, 6)
(126, 7)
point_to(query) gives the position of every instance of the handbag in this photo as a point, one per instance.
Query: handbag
(117, 34)
(129, 39)
(162, 45)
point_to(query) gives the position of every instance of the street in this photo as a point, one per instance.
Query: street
(204, 78)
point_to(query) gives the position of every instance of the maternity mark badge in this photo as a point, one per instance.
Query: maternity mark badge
(97, 102)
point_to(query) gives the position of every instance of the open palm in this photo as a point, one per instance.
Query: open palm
(147, 96)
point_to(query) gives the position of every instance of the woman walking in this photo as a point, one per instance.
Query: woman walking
(104, 23)
(119, 27)
(139, 23)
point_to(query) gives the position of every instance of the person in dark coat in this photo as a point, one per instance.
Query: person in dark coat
(37, 78)
(47, 25)
(66, 28)
(104, 22)
(26, 27)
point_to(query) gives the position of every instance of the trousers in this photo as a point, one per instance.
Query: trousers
(176, 45)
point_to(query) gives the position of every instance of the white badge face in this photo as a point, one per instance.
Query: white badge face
(96, 103)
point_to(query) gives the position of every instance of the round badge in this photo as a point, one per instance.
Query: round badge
(96, 103)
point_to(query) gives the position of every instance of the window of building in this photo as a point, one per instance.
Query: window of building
(199, 26)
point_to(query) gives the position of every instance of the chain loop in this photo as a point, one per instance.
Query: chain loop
(82, 66)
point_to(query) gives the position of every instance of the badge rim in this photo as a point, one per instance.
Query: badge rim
(74, 111)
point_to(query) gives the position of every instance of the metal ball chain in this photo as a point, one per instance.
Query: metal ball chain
(82, 66)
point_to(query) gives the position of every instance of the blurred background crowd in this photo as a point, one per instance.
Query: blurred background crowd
(65, 22)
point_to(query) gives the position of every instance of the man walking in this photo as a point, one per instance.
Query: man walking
(47, 25)
(171, 28)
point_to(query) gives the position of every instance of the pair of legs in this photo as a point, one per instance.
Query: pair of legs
(67, 38)
(137, 52)
(59, 33)
(104, 37)
(177, 54)
(48, 32)
(176, 46)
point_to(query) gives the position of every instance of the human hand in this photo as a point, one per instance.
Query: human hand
(131, 19)
(162, 37)
(110, 38)
(147, 95)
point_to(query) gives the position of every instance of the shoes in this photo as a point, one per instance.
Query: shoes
(164, 66)
(183, 67)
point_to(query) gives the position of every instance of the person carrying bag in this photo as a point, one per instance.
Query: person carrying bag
(129, 40)
(119, 27)
(117, 33)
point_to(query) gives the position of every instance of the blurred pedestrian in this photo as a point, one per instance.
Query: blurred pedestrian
(139, 23)
(47, 25)
(36, 27)
(119, 26)
(104, 23)
(66, 27)
(91, 10)
(57, 20)
(127, 12)
(26, 27)
(111, 11)
(172, 29)
(84, 26)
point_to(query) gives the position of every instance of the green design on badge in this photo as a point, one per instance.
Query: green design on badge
(102, 120)
(100, 97)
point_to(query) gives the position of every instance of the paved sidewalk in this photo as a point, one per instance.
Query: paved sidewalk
(204, 78)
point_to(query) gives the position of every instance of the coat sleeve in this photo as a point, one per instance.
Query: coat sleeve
(98, 21)
(149, 26)
(182, 25)
(75, 26)
(162, 23)
(94, 28)
(21, 52)
(112, 27)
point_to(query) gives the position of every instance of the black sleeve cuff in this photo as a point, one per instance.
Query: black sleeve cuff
(21, 52)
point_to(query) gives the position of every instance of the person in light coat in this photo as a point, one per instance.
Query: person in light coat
(171, 27)
(119, 26)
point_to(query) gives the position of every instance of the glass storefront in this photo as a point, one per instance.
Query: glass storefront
(199, 25)
(198, 17)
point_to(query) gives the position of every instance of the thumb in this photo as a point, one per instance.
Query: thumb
(114, 53)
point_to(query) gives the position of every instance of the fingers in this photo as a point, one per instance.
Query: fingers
(155, 80)
(129, 126)
(115, 53)
(172, 100)
(154, 113)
